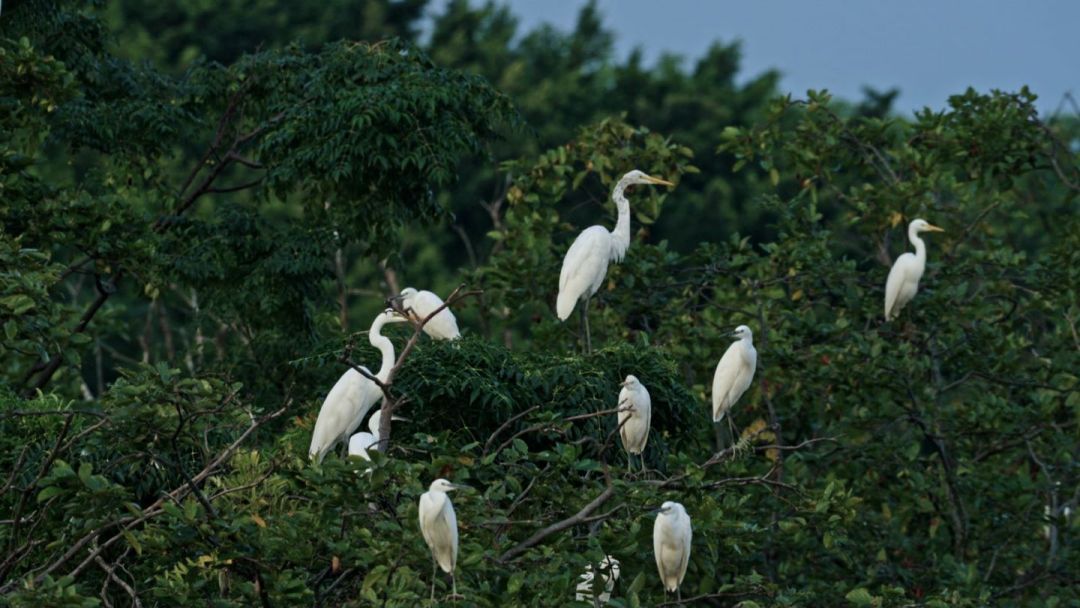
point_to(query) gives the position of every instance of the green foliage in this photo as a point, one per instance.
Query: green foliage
(189, 243)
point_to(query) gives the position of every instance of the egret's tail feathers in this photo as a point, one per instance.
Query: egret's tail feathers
(565, 305)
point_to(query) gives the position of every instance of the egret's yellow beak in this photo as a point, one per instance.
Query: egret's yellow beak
(658, 181)
(933, 228)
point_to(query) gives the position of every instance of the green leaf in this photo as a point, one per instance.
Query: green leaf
(860, 597)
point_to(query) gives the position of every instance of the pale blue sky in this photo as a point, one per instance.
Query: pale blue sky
(930, 49)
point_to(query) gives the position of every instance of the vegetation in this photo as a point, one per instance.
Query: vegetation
(202, 208)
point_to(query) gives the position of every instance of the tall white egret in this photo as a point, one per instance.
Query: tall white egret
(733, 375)
(586, 262)
(353, 394)
(438, 524)
(903, 281)
(609, 573)
(635, 408)
(420, 305)
(361, 442)
(672, 536)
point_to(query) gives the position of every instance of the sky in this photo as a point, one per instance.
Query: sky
(929, 49)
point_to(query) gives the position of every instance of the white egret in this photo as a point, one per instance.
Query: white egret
(671, 545)
(903, 281)
(361, 442)
(353, 394)
(635, 408)
(420, 305)
(609, 573)
(733, 375)
(438, 524)
(586, 262)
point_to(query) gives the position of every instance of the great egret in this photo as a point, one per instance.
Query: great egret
(903, 281)
(438, 524)
(361, 442)
(586, 262)
(353, 394)
(420, 304)
(635, 407)
(733, 375)
(671, 544)
(609, 573)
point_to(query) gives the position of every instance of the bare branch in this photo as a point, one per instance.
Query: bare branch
(580, 517)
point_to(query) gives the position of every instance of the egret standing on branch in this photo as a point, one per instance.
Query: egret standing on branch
(733, 375)
(360, 443)
(671, 544)
(635, 415)
(438, 524)
(906, 271)
(353, 394)
(586, 262)
(420, 305)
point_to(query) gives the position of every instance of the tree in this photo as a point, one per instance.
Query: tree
(177, 239)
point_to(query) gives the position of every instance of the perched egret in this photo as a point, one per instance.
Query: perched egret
(438, 523)
(586, 262)
(353, 394)
(609, 573)
(671, 544)
(360, 443)
(420, 305)
(635, 408)
(906, 271)
(733, 375)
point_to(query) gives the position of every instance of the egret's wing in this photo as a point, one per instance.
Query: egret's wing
(686, 542)
(727, 371)
(645, 407)
(444, 537)
(367, 394)
(583, 267)
(444, 325)
(360, 443)
(897, 277)
(336, 414)
(426, 507)
(625, 404)
(658, 546)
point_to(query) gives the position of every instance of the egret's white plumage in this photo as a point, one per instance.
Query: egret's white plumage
(635, 407)
(360, 443)
(438, 524)
(903, 281)
(421, 304)
(353, 394)
(734, 373)
(609, 573)
(672, 537)
(586, 262)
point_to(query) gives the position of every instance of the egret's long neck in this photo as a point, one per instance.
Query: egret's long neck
(385, 346)
(620, 241)
(920, 246)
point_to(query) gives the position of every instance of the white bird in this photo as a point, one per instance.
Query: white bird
(586, 262)
(903, 281)
(671, 545)
(420, 305)
(438, 524)
(635, 408)
(361, 442)
(609, 573)
(733, 375)
(353, 394)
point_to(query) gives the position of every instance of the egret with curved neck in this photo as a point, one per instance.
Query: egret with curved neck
(353, 394)
(586, 262)
(903, 281)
